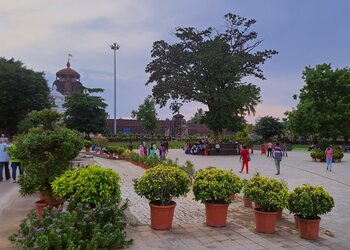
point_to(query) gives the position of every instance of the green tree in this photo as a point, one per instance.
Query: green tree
(268, 127)
(85, 112)
(22, 90)
(198, 117)
(211, 68)
(147, 114)
(46, 118)
(324, 107)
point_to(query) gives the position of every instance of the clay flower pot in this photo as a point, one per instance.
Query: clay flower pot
(40, 205)
(87, 149)
(216, 214)
(232, 197)
(296, 221)
(279, 214)
(309, 228)
(265, 222)
(162, 216)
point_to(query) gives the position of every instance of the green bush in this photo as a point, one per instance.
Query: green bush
(45, 154)
(318, 154)
(310, 201)
(270, 193)
(87, 143)
(337, 154)
(116, 149)
(92, 185)
(101, 142)
(161, 184)
(215, 185)
(77, 228)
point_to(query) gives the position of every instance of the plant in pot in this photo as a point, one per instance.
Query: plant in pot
(308, 202)
(45, 154)
(87, 145)
(160, 185)
(101, 142)
(214, 186)
(337, 155)
(91, 185)
(246, 201)
(271, 194)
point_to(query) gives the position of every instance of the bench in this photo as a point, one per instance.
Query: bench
(225, 149)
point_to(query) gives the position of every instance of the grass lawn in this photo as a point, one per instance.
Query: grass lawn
(299, 147)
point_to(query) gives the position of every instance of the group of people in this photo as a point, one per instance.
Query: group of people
(6, 158)
(276, 151)
(200, 148)
(152, 149)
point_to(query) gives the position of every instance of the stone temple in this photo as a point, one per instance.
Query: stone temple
(67, 82)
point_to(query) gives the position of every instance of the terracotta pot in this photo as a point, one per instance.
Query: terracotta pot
(265, 222)
(40, 205)
(101, 152)
(44, 197)
(162, 216)
(309, 229)
(256, 205)
(232, 197)
(247, 202)
(296, 221)
(216, 214)
(279, 213)
(87, 149)
(111, 154)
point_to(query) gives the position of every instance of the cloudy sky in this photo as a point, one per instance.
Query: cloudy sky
(41, 33)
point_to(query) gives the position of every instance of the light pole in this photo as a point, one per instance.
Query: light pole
(115, 47)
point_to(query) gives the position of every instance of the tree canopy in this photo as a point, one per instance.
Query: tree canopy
(268, 127)
(198, 117)
(22, 91)
(324, 107)
(85, 112)
(147, 114)
(210, 67)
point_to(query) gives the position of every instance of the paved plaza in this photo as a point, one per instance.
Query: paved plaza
(189, 230)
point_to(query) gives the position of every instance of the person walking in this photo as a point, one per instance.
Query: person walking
(151, 150)
(4, 159)
(269, 149)
(15, 163)
(244, 158)
(329, 158)
(277, 151)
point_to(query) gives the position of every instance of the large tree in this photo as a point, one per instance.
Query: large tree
(268, 127)
(324, 107)
(22, 90)
(86, 112)
(147, 114)
(211, 68)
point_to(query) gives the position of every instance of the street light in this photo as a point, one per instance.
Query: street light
(115, 47)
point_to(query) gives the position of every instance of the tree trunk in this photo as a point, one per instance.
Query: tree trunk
(217, 136)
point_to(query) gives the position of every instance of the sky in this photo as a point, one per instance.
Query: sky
(42, 33)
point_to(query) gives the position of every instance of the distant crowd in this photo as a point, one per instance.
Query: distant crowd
(152, 150)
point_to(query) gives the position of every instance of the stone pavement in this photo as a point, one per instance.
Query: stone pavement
(189, 231)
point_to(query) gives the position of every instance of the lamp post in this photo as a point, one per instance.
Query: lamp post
(115, 47)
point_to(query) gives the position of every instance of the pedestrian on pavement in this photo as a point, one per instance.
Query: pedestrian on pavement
(142, 150)
(15, 163)
(269, 149)
(277, 155)
(329, 158)
(4, 158)
(244, 158)
(284, 150)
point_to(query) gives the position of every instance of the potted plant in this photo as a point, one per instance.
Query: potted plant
(337, 155)
(246, 201)
(308, 202)
(101, 142)
(214, 186)
(92, 185)
(45, 154)
(160, 185)
(87, 145)
(270, 194)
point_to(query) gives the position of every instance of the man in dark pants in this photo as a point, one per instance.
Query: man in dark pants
(4, 159)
